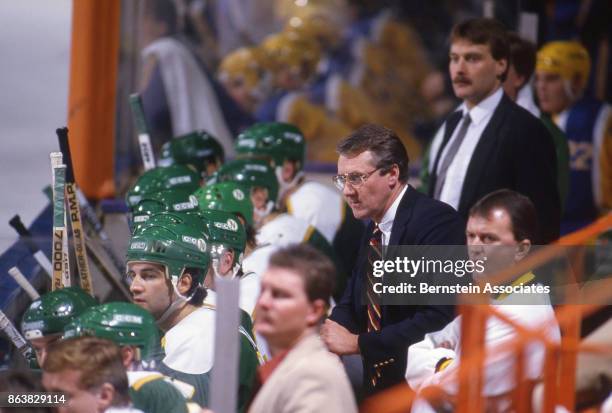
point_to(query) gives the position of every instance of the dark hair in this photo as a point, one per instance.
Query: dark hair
(384, 144)
(522, 55)
(523, 216)
(485, 31)
(314, 267)
(199, 291)
(98, 360)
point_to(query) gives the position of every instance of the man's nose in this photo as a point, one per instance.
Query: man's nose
(264, 300)
(135, 286)
(348, 190)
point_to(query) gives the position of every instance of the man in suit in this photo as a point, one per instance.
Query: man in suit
(490, 142)
(302, 375)
(373, 175)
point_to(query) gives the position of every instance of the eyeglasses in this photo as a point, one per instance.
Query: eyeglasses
(355, 179)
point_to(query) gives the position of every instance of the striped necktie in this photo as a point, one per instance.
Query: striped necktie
(373, 299)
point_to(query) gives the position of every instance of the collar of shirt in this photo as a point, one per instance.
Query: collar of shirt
(480, 116)
(484, 109)
(386, 224)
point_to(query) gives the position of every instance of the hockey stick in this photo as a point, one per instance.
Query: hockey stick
(23, 283)
(16, 338)
(59, 258)
(26, 237)
(74, 212)
(144, 138)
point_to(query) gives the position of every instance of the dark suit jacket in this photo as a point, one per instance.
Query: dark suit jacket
(419, 220)
(515, 151)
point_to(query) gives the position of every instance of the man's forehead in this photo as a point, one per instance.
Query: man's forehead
(497, 218)
(461, 46)
(361, 162)
(283, 278)
(145, 266)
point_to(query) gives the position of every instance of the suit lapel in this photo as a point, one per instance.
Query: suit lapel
(402, 216)
(487, 142)
(451, 124)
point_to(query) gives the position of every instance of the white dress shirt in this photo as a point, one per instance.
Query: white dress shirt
(386, 223)
(455, 175)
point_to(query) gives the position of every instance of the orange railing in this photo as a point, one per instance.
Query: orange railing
(559, 372)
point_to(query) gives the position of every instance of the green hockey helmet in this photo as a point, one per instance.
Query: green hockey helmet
(198, 149)
(50, 313)
(172, 200)
(125, 324)
(176, 241)
(224, 230)
(275, 141)
(251, 173)
(227, 196)
(162, 179)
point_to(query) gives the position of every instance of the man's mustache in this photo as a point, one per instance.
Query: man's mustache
(461, 79)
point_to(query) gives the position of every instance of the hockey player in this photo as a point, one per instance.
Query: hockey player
(199, 150)
(162, 179)
(44, 321)
(258, 177)
(227, 237)
(284, 147)
(562, 71)
(167, 260)
(134, 329)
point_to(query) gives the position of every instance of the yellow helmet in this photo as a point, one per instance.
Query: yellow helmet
(292, 50)
(565, 58)
(245, 63)
(316, 22)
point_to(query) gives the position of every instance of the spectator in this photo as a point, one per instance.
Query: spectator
(302, 375)
(179, 96)
(562, 71)
(500, 227)
(373, 174)
(498, 144)
(519, 88)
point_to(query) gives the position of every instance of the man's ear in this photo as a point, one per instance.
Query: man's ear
(106, 396)
(318, 309)
(185, 282)
(227, 260)
(522, 249)
(127, 355)
(394, 174)
(501, 67)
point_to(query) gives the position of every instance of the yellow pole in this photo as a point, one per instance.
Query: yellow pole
(91, 104)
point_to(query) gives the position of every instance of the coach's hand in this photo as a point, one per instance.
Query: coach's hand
(338, 339)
